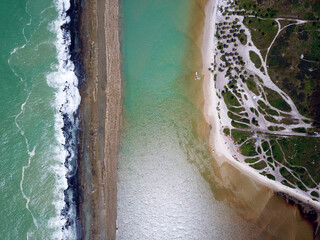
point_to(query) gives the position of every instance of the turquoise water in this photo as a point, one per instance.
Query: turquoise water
(162, 192)
(32, 173)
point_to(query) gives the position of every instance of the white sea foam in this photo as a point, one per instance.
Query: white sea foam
(31, 154)
(67, 100)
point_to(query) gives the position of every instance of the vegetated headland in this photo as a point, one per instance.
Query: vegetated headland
(100, 113)
(265, 74)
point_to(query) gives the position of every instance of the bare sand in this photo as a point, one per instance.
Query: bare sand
(100, 113)
(252, 194)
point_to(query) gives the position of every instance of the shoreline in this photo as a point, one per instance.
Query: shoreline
(100, 113)
(221, 154)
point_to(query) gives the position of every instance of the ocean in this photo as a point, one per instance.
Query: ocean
(39, 102)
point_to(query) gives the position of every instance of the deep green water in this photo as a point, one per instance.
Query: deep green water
(32, 175)
(162, 193)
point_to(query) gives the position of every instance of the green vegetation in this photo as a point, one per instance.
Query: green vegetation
(275, 128)
(242, 38)
(293, 63)
(259, 165)
(252, 86)
(276, 100)
(248, 148)
(270, 176)
(296, 75)
(289, 121)
(262, 104)
(230, 99)
(271, 119)
(276, 151)
(237, 109)
(239, 125)
(304, 153)
(253, 110)
(240, 136)
(272, 112)
(255, 59)
(262, 31)
(306, 9)
(226, 131)
(300, 130)
(251, 160)
(265, 146)
(237, 118)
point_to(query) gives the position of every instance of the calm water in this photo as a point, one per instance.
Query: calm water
(162, 193)
(32, 173)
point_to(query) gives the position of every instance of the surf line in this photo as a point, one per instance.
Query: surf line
(65, 80)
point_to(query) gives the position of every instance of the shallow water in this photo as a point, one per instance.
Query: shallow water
(162, 192)
(169, 187)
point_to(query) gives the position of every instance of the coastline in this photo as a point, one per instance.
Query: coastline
(221, 153)
(100, 113)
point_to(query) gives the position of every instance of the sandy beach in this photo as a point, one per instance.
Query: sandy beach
(100, 118)
(233, 174)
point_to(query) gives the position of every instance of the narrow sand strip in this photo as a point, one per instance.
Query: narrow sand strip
(100, 112)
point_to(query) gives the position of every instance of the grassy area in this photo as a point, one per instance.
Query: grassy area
(242, 38)
(271, 119)
(300, 130)
(239, 125)
(276, 100)
(294, 74)
(237, 110)
(262, 104)
(262, 31)
(253, 110)
(230, 99)
(272, 112)
(289, 121)
(265, 146)
(302, 151)
(276, 151)
(251, 160)
(306, 9)
(240, 136)
(275, 128)
(252, 85)
(237, 118)
(255, 59)
(287, 175)
(248, 148)
(270, 176)
(294, 65)
(226, 131)
(259, 165)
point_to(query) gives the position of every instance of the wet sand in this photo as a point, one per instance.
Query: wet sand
(100, 113)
